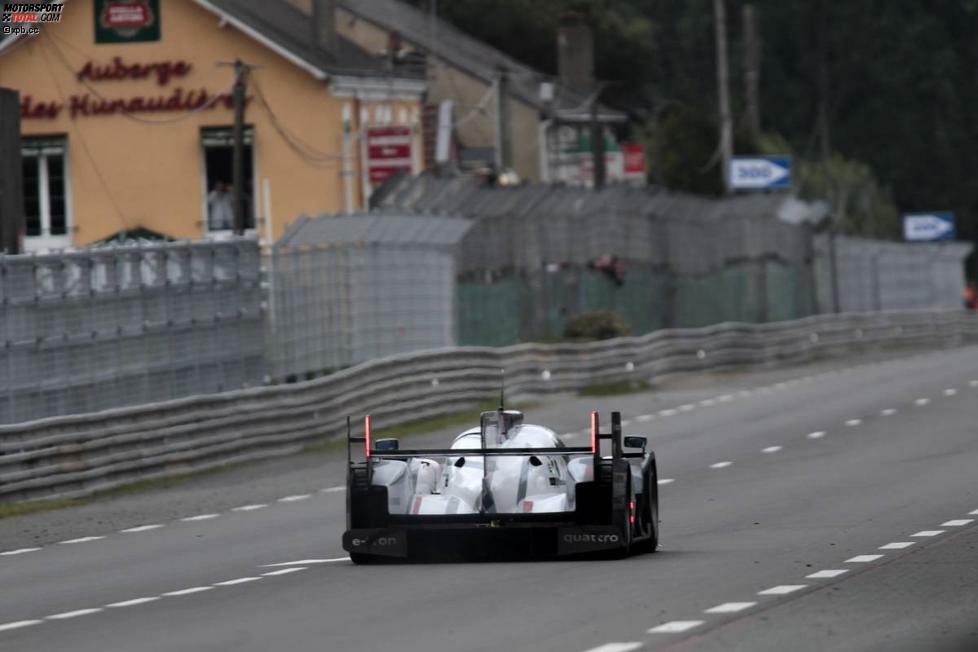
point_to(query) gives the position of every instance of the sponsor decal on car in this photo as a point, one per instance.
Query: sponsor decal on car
(376, 542)
(572, 541)
(591, 538)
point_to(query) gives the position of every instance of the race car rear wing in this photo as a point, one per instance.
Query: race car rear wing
(597, 437)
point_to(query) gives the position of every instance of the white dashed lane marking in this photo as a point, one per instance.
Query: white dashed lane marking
(141, 528)
(853, 422)
(721, 465)
(616, 647)
(725, 398)
(950, 392)
(771, 449)
(644, 417)
(863, 559)
(133, 602)
(782, 589)
(239, 580)
(730, 607)
(675, 627)
(666, 481)
(306, 562)
(818, 434)
(18, 624)
(667, 413)
(295, 498)
(973, 383)
(958, 522)
(248, 508)
(200, 517)
(975, 513)
(897, 545)
(73, 614)
(827, 574)
(927, 533)
(192, 589)
(707, 402)
(285, 571)
(688, 407)
(19, 551)
(332, 490)
(888, 412)
(921, 401)
(81, 540)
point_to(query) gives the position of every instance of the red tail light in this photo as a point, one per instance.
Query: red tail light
(594, 432)
(366, 434)
(631, 511)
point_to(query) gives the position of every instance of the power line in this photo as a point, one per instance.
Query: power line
(307, 152)
(88, 153)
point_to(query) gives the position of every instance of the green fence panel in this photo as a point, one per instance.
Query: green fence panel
(722, 296)
(783, 301)
(488, 314)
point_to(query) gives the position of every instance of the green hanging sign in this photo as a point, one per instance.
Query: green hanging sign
(127, 21)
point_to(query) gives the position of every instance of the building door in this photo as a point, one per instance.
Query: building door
(47, 209)
(218, 150)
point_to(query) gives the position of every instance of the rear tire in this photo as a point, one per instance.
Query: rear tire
(649, 518)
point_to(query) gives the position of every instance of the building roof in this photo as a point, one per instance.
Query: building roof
(454, 46)
(287, 30)
(290, 29)
(374, 229)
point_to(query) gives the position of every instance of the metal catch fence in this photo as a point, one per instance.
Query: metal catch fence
(91, 330)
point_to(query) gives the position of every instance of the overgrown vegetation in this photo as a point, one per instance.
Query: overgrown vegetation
(596, 325)
(615, 389)
(19, 509)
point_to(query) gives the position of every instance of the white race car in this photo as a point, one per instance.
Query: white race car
(505, 487)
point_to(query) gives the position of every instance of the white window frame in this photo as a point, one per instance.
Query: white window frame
(47, 241)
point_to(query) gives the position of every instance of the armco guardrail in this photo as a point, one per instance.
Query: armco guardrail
(78, 455)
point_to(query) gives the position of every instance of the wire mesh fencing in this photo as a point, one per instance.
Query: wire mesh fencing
(347, 289)
(539, 255)
(90, 330)
(861, 275)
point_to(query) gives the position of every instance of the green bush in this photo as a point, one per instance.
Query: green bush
(596, 325)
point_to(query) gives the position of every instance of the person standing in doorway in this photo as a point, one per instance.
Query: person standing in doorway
(220, 208)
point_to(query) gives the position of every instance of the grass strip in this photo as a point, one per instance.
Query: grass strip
(615, 389)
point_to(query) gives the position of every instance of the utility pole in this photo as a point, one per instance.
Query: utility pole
(597, 144)
(503, 145)
(723, 87)
(237, 165)
(239, 98)
(752, 72)
(825, 143)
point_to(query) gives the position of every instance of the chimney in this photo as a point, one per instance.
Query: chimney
(575, 52)
(324, 24)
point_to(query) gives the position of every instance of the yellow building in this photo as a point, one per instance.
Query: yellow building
(127, 114)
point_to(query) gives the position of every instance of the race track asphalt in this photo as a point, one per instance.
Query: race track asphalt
(846, 519)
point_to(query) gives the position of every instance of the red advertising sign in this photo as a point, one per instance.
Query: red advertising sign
(634, 166)
(389, 150)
